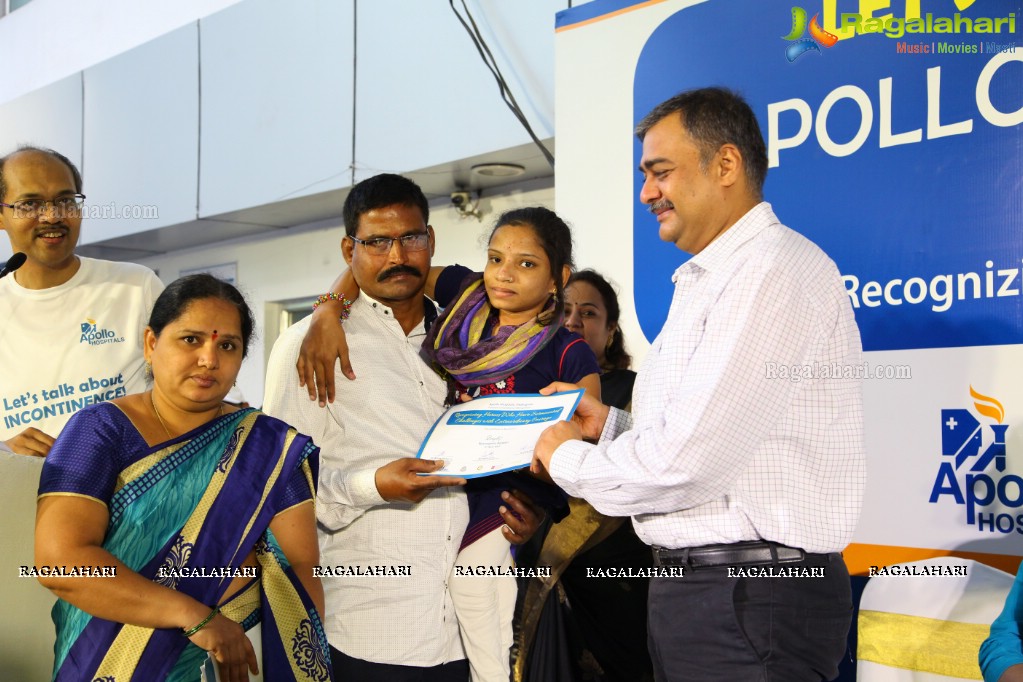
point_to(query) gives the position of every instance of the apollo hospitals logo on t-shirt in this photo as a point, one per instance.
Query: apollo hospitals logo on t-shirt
(93, 335)
(989, 493)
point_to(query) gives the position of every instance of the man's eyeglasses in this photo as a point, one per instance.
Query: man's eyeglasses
(62, 206)
(382, 245)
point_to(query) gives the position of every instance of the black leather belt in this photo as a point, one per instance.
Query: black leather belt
(757, 553)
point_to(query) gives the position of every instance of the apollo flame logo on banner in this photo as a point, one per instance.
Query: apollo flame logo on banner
(975, 480)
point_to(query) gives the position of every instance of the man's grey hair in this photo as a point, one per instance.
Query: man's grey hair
(714, 117)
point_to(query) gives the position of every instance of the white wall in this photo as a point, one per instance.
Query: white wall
(434, 92)
(155, 113)
(48, 117)
(276, 100)
(51, 39)
(584, 50)
(252, 117)
(302, 262)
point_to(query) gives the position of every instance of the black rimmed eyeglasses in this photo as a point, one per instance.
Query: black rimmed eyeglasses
(382, 245)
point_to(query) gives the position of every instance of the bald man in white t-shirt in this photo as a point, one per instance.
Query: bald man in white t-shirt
(72, 326)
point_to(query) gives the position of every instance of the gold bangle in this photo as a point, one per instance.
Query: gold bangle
(201, 625)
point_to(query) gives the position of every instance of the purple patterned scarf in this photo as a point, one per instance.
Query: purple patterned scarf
(456, 347)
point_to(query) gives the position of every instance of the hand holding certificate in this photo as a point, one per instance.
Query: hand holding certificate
(494, 433)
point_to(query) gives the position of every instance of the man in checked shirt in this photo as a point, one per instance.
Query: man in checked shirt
(751, 482)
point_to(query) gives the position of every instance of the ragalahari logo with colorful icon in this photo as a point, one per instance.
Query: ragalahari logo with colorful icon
(829, 27)
(798, 44)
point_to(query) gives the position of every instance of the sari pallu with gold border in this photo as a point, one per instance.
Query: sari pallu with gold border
(204, 500)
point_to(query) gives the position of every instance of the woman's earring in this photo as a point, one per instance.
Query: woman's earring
(149, 371)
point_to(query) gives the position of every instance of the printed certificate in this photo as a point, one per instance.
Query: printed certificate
(494, 433)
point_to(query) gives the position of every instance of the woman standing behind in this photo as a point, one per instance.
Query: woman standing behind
(607, 614)
(592, 312)
(167, 487)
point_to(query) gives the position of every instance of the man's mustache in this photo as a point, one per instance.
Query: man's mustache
(660, 205)
(398, 270)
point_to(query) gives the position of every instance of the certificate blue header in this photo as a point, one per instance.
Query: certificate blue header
(504, 417)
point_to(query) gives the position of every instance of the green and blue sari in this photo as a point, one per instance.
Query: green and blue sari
(198, 503)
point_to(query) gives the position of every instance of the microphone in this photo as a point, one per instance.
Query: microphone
(15, 262)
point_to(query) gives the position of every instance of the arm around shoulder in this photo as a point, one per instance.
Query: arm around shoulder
(325, 342)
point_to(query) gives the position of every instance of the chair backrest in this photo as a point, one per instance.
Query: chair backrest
(26, 631)
(925, 620)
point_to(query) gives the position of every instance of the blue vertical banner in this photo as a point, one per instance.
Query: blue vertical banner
(896, 144)
(895, 138)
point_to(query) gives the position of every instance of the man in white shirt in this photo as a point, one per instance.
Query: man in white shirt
(748, 482)
(389, 532)
(72, 326)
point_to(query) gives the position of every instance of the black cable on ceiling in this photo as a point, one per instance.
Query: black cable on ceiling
(488, 60)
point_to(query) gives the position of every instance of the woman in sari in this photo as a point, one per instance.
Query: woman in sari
(172, 500)
(572, 627)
